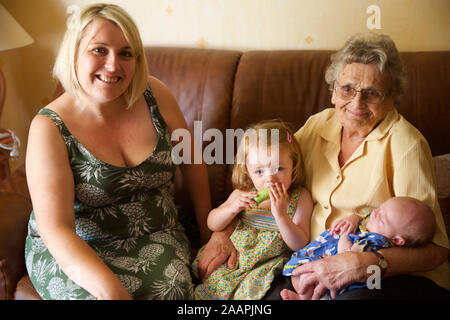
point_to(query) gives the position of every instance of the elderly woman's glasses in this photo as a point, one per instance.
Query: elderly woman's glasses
(368, 95)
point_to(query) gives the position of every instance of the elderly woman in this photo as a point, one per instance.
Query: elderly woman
(357, 155)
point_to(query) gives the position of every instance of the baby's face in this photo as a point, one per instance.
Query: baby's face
(268, 168)
(388, 219)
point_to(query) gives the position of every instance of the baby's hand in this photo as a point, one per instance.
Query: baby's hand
(344, 227)
(278, 199)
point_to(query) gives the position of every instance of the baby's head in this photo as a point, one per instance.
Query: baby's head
(404, 221)
(267, 153)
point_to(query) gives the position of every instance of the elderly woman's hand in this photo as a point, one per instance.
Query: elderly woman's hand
(333, 273)
(218, 249)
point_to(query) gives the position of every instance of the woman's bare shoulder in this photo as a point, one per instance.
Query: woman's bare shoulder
(159, 89)
(168, 105)
(41, 124)
(60, 104)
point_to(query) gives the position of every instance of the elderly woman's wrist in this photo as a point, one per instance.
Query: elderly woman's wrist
(369, 260)
(220, 236)
(357, 265)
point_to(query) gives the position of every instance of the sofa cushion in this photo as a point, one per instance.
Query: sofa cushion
(14, 214)
(425, 103)
(287, 85)
(442, 166)
(16, 182)
(202, 82)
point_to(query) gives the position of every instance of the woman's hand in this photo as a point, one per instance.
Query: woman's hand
(218, 249)
(333, 273)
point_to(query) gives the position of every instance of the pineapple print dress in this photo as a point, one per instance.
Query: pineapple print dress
(262, 254)
(128, 216)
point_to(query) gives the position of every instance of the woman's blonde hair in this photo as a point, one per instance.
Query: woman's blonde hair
(267, 130)
(65, 65)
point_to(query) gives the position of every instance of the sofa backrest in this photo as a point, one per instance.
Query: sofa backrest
(202, 82)
(290, 85)
(426, 102)
(287, 85)
(230, 89)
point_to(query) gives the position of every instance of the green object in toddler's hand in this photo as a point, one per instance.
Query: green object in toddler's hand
(262, 195)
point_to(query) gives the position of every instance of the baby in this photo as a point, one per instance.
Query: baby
(399, 221)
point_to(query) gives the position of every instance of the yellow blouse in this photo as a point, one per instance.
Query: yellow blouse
(393, 160)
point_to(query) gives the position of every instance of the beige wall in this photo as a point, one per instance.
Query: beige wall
(415, 25)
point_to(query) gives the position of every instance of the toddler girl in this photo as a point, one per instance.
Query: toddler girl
(268, 157)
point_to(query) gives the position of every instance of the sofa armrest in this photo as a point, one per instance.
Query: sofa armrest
(14, 214)
(444, 203)
(16, 183)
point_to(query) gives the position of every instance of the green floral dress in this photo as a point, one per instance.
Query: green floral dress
(262, 254)
(128, 216)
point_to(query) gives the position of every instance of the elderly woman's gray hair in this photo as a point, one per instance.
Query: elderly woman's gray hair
(370, 48)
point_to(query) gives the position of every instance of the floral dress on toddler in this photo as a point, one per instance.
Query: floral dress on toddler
(262, 254)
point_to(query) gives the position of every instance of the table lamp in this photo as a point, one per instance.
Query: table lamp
(12, 35)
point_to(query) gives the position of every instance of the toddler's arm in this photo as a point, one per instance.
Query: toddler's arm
(295, 231)
(220, 217)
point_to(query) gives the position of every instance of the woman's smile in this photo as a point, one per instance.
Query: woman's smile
(357, 113)
(107, 79)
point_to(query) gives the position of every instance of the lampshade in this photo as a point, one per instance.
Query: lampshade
(12, 35)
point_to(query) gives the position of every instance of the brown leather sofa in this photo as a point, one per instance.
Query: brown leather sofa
(231, 89)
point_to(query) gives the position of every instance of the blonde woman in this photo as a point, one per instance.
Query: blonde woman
(99, 169)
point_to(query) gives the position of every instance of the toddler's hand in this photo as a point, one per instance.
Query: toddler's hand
(278, 199)
(243, 201)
